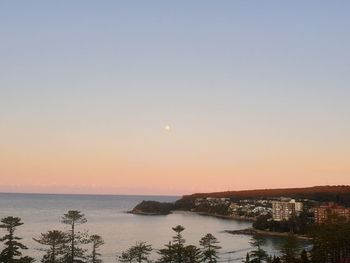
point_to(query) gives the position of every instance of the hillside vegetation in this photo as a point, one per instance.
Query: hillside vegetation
(339, 194)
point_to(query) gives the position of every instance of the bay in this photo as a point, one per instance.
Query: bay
(106, 215)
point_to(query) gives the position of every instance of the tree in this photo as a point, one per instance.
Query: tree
(74, 253)
(11, 252)
(303, 257)
(96, 241)
(276, 260)
(178, 244)
(174, 251)
(25, 259)
(290, 250)
(331, 242)
(56, 241)
(209, 248)
(258, 254)
(126, 256)
(167, 254)
(141, 251)
(192, 254)
(262, 222)
(247, 259)
(138, 253)
(178, 239)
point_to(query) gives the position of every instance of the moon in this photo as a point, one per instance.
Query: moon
(167, 127)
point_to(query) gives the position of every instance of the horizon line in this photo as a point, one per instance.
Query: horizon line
(170, 195)
(87, 194)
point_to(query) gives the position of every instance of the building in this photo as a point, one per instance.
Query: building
(212, 201)
(283, 210)
(331, 212)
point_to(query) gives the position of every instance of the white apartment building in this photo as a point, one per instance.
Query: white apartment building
(285, 210)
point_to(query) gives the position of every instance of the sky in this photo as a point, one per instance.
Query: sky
(173, 97)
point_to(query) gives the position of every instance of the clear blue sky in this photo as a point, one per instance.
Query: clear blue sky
(235, 79)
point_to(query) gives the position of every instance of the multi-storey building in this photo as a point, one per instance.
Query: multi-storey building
(285, 210)
(331, 212)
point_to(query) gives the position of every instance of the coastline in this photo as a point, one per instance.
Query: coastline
(146, 213)
(252, 232)
(240, 218)
(247, 231)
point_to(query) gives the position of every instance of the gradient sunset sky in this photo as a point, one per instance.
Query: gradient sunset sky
(256, 93)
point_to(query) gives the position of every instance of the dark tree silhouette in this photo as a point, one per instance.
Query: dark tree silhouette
(11, 253)
(290, 250)
(331, 243)
(304, 257)
(96, 242)
(126, 257)
(174, 251)
(178, 243)
(138, 253)
(167, 254)
(74, 253)
(209, 248)
(57, 243)
(247, 259)
(258, 254)
(178, 239)
(276, 260)
(192, 254)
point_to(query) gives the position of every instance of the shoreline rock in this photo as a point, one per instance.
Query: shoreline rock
(253, 231)
(231, 217)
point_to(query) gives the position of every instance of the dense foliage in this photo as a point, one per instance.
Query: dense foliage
(178, 252)
(96, 242)
(74, 253)
(218, 209)
(12, 251)
(338, 194)
(55, 243)
(331, 243)
(153, 207)
(298, 225)
(137, 253)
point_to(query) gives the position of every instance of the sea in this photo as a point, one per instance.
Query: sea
(107, 216)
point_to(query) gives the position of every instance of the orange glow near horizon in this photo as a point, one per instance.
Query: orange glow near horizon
(165, 164)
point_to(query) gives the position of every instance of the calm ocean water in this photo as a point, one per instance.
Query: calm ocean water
(106, 217)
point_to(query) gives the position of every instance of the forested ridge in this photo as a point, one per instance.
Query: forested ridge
(339, 194)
